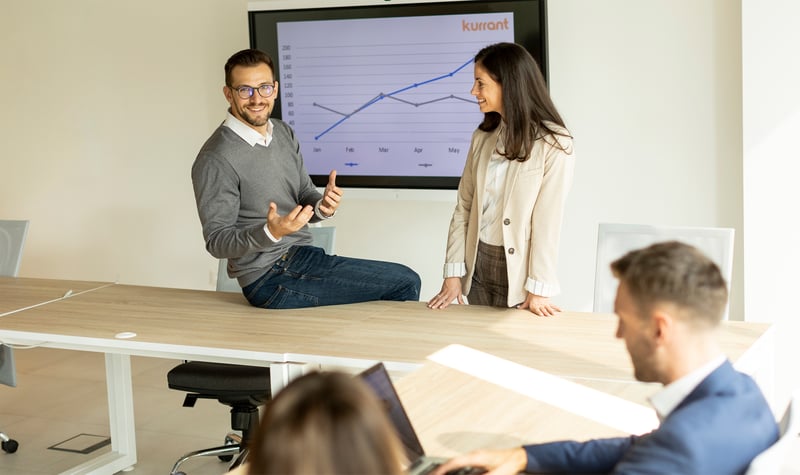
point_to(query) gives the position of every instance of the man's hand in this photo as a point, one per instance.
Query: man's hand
(451, 289)
(498, 462)
(280, 226)
(538, 305)
(332, 197)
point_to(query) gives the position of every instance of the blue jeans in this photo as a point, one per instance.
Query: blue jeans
(307, 277)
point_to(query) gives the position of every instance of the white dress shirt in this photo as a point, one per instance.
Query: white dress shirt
(491, 223)
(666, 400)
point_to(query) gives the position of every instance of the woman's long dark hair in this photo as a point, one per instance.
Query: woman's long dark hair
(526, 100)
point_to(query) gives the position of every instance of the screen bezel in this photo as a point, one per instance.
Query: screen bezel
(379, 380)
(263, 35)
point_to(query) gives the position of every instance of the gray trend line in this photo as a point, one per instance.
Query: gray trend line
(384, 96)
(391, 96)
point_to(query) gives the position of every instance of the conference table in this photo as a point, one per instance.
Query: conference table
(462, 399)
(124, 320)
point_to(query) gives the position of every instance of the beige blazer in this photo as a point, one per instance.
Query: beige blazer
(535, 194)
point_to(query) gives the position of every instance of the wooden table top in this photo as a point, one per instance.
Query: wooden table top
(570, 344)
(461, 400)
(20, 292)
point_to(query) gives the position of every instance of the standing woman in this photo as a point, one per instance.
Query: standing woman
(502, 247)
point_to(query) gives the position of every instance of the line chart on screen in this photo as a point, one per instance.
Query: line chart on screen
(384, 96)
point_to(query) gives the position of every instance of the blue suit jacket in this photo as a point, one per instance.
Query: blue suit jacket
(718, 429)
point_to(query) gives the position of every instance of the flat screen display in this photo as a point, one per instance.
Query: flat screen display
(381, 93)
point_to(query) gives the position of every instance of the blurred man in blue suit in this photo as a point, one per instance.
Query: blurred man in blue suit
(714, 419)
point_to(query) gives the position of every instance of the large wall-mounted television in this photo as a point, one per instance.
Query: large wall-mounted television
(381, 92)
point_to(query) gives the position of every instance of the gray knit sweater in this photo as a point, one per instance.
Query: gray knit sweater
(233, 186)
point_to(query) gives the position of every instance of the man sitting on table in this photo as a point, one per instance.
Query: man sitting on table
(714, 420)
(255, 199)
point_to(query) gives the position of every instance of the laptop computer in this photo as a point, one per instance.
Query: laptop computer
(378, 379)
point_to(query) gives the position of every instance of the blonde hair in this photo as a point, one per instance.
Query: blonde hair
(328, 423)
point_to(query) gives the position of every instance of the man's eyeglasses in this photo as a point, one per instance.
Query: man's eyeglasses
(246, 92)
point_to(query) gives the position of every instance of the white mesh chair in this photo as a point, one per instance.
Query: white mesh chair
(225, 283)
(771, 461)
(614, 240)
(12, 242)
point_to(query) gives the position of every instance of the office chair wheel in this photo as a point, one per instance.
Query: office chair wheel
(10, 446)
(228, 441)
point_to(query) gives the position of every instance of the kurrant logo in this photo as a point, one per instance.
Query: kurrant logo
(484, 25)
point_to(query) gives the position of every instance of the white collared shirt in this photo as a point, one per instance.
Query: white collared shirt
(247, 133)
(491, 231)
(666, 400)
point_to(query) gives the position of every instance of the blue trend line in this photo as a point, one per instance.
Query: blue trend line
(383, 96)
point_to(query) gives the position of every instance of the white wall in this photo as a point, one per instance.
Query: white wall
(771, 104)
(102, 119)
(105, 105)
(650, 91)
(684, 112)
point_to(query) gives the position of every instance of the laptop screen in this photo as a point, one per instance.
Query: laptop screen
(378, 379)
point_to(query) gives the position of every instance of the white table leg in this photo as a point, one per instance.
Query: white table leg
(280, 374)
(121, 422)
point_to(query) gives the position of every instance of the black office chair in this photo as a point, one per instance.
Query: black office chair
(243, 388)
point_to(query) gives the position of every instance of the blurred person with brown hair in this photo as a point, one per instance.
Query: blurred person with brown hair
(324, 422)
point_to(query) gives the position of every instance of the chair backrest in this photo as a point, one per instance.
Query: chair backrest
(12, 242)
(323, 237)
(614, 240)
(771, 460)
(225, 283)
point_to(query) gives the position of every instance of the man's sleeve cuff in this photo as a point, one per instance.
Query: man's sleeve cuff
(269, 234)
(319, 213)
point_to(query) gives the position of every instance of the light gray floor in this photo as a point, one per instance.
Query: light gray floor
(61, 394)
